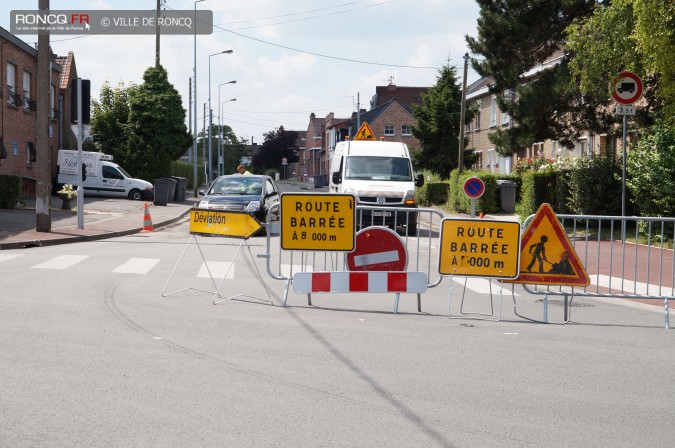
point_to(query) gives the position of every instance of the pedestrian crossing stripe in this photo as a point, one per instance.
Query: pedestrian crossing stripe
(364, 133)
(544, 238)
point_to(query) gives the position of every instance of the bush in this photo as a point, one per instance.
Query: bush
(437, 193)
(10, 188)
(422, 192)
(537, 187)
(650, 172)
(186, 169)
(461, 203)
(595, 187)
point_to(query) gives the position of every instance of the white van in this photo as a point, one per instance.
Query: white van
(379, 174)
(103, 177)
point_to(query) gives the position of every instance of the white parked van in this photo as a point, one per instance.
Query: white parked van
(379, 174)
(103, 177)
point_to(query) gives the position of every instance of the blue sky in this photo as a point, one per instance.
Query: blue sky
(290, 58)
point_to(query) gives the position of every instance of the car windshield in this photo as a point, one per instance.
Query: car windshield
(237, 185)
(378, 168)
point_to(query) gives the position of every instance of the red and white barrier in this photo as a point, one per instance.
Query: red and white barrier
(370, 281)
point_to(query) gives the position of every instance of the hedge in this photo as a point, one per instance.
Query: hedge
(10, 188)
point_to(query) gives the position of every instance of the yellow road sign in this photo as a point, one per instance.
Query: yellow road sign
(364, 132)
(316, 221)
(548, 257)
(479, 248)
(218, 222)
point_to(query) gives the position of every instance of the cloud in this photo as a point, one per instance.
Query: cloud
(286, 68)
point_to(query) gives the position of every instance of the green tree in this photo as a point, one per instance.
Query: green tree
(278, 144)
(110, 120)
(636, 35)
(437, 125)
(513, 37)
(158, 134)
(650, 172)
(233, 148)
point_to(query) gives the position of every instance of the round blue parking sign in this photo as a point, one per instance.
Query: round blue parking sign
(474, 187)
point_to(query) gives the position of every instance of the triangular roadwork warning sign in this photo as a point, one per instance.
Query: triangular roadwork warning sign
(546, 255)
(364, 132)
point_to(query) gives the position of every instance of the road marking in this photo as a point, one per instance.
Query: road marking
(137, 266)
(61, 262)
(217, 269)
(481, 285)
(7, 257)
(287, 270)
(628, 286)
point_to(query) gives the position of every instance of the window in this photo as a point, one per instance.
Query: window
(405, 130)
(111, 173)
(31, 156)
(388, 130)
(493, 111)
(508, 95)
(11, 83)
(493, 160)
(477, 117)
(580, 147)
(52, 112)
(26, 90)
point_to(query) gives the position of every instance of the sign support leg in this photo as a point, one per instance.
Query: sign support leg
(269, 298)
(165, 294)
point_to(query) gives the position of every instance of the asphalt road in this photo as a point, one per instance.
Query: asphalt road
(94, 356)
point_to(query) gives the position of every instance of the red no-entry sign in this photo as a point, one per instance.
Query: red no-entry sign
(378, 249)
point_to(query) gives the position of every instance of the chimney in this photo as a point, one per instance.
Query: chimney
(391, 88)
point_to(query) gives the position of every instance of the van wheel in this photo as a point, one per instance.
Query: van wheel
(135, 195)
(412, 228)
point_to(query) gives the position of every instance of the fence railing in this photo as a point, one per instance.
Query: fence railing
(624, 257)
(419, 244)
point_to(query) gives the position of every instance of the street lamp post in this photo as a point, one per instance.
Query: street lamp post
(195, 180)
(220, 123)
(460, 164)
(209, 171)
(222, 144)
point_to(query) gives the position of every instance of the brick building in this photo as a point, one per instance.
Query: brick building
(18, 109)
(390, 119)
(490, 117)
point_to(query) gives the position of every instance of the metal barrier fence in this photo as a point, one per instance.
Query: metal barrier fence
(625, 257)
(419, 229)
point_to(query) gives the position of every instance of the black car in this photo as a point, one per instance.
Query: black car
(254, 194)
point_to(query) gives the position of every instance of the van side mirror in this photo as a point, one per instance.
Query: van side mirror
(419, 182)
(337, 177)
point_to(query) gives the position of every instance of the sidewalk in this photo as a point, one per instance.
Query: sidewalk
(102, 218)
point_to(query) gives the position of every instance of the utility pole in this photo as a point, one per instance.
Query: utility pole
(191, 152)
(206, 171)
(159, 2)
(43, 219)
(460, 163)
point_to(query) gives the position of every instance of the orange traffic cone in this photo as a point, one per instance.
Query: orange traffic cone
(482, 215)
(147, 221)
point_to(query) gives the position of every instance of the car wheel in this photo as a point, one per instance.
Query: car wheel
(136, 195)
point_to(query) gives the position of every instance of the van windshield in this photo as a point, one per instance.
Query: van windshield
(378, 168)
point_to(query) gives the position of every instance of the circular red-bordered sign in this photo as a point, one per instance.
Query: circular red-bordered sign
(474, 187)
(378, 249)
(626, 88)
